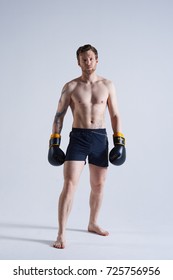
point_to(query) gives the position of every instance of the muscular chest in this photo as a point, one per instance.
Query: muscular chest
(90, 94)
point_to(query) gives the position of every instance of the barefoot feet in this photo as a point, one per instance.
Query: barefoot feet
(96, 229)
(59, 243)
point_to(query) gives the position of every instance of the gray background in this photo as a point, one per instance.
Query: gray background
(38, 43)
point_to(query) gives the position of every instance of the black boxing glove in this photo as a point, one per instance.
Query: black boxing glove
(56, 156)
(117, 155)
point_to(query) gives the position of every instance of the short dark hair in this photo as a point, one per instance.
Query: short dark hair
(86, 48)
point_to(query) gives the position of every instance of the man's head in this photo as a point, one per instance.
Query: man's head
(86, 48)
(87, 57)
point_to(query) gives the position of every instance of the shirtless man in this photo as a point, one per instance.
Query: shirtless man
(87, 96)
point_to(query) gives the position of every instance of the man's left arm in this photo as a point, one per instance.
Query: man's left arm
(113, 109)
(117, 155)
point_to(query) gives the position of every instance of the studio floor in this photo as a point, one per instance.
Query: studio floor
(34, 241)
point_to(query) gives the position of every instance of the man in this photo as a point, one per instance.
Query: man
(88, 97)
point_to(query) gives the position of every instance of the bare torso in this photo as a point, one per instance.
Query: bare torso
(88, 103)
(88, 99)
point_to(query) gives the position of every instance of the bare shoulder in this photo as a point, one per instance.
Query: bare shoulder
(70, 86)
(108, 83)
(105, 81)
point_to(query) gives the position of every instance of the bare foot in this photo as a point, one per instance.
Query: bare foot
(59, 243)
(96, 229)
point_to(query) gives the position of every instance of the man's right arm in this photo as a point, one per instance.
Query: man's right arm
(63, 105)
(56, 156)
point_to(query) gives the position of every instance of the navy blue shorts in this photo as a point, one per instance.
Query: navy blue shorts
(91, 143)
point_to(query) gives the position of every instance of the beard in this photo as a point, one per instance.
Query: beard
(90, 70)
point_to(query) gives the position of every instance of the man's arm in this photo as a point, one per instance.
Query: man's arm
(63, 104)
(117, 155)
(113, 109)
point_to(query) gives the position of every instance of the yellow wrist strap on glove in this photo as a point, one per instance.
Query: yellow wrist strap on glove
(118, 138)
(55, 135)
(55, 140)
(118, 134)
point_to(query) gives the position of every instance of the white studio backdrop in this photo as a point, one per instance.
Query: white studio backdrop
(39, 40)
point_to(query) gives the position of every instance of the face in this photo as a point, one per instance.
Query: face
(88, 62)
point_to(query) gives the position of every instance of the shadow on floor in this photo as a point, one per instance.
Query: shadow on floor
(29, 226)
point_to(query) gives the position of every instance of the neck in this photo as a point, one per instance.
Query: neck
(88, 77)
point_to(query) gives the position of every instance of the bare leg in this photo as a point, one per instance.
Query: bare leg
(72, 171)
(97, 179)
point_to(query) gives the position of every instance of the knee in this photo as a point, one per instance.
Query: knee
(97, 187)
(69, 187)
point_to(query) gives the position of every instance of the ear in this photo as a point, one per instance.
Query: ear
(78, 62)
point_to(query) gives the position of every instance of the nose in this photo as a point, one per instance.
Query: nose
(88, 61)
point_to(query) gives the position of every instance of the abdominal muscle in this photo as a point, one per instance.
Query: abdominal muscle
(89, 116)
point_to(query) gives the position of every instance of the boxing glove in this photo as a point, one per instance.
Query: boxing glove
(117, 155)
(56, 156)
